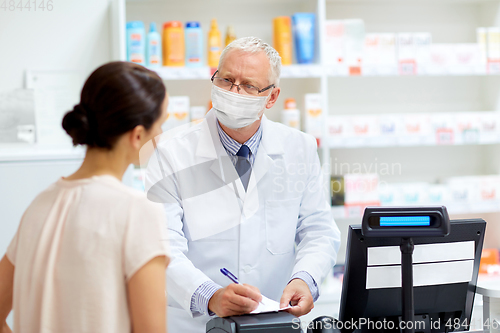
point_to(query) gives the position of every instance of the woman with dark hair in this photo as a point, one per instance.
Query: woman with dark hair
(89, 255)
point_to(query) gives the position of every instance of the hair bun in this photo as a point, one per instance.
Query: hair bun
(76, 124)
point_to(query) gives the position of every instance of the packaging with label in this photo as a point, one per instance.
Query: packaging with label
(466, 59)
(387, 54)
(333, 45)
(463, 193)
(282, 38)
(406, 54)
(194, 44)
(380, 54)
(440, 58)
(489, 127)
(173, 44)
(414, 194)
(423, 42)
(438, 194)
(388, 194)
(136, 42)
(371, 57)
(390, 128)
(290, 116)
(354, 31)
(493, 50)
(482, 41)
(468, 128)
(416, 130)
(337, 131)
(361, 190)
(314, 115)
(363, 130)
(197, 113)
(488, 193)
(178, 112)
(444, 127)
(304, 32)
(153, 47)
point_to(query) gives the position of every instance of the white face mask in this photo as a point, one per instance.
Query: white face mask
(235, 110)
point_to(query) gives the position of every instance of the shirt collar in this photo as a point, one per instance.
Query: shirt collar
(232, 146)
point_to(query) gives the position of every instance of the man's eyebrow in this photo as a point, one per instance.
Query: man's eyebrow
(250, 81)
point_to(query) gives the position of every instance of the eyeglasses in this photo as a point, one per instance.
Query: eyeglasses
(246, 88)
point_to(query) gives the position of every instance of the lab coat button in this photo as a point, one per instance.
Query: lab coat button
(247, 269)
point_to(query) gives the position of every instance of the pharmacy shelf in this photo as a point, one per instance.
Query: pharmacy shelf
(405, 2)
(387, 142)
(183, 73)
(422, 70)
(377, 88)
(343, 212)
(22, 153)
(393, 70)
(205, 72)
(226, 2)
(318, 71)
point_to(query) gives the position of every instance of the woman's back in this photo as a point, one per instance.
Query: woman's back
(77, 245)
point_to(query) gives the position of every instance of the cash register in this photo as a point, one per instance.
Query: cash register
(272, 322)
(445, 305)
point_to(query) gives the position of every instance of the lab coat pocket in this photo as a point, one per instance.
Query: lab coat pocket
(281, 224)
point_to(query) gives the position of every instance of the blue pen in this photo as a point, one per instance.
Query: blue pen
(230, 275)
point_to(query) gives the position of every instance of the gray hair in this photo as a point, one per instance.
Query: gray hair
(254, 45)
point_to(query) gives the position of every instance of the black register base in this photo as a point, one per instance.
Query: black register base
(273, 322)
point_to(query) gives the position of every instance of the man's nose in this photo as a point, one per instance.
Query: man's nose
(235, 89)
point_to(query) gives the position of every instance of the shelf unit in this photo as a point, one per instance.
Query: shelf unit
(376, 91)
(25, 153)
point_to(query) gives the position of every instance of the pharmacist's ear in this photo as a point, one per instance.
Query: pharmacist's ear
(274, 97)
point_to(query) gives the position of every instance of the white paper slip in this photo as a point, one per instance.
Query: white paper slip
(268, 305)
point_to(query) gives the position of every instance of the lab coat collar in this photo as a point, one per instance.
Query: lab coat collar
(272, 142)
(209, 144)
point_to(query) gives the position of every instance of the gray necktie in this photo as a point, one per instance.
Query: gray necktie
(243, 166)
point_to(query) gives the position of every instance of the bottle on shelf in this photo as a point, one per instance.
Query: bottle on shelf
(290, 116)
(303, 26)
(136, 43)
(313, 119)
(230, 35)
(214, 45)
(153, 49)
(173, 44)
(194, 44)
(282, 38)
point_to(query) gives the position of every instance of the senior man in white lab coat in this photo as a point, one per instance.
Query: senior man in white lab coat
(244, 193)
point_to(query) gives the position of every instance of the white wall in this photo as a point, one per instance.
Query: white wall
(75, 35)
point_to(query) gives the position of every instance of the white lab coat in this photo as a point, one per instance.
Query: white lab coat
(280, 226)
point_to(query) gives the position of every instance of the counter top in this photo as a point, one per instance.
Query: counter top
(23, 152)
(488, 286)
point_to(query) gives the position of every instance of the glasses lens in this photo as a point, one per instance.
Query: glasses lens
(250, 90)
(222, 83)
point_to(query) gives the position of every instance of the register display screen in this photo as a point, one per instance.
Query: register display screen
(402, 221)
(405, 221)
